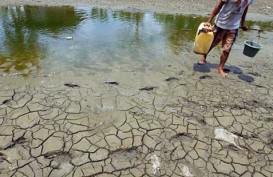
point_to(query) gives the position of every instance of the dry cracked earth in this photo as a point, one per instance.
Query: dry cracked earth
(195, 126)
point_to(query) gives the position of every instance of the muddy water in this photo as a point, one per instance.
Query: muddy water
(51, 39)
(54, 38)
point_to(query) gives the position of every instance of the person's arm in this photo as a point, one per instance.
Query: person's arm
(243, 19)
(215, 11)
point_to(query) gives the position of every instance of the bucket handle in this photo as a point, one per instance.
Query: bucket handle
(257, 36)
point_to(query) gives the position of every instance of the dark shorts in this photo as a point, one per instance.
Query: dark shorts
(227, 37)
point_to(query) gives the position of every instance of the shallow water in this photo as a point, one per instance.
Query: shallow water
(51, 39)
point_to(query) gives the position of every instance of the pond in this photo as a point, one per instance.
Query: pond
(51, 39)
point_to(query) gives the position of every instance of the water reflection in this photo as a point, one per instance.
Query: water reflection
(22, 29)
(34, 37)
(180, 30)
(99, 14)
(53, 19)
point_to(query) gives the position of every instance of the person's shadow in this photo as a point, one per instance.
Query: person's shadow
(206, 68)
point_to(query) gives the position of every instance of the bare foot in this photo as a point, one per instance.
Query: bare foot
(202, 61)
(221, 72)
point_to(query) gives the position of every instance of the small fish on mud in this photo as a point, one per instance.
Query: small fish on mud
(171, 79)
(148, 88)
(205, 77)
(3, 157)
(112, 82)
(72, 85)
(6, 101)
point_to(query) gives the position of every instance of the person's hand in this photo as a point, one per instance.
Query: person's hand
(207, 27)
(244, 28)
(207, 24)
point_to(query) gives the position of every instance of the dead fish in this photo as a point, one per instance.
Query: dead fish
(72, 85)
(181, 73)
(205, 77)
(53, 154)
(2, 154)
(3, 157)
(20, 140)
(253, 135)
(6, 101)
(172, 79)
(255, 74)
(259, 86)
(148, 88)
(111, 82)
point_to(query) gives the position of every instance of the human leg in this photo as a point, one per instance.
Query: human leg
(227, 43)
(202, 60)
(223, 59)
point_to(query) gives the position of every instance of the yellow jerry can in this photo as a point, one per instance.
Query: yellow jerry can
(203, 40)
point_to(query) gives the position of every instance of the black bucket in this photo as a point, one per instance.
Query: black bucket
(251, 48)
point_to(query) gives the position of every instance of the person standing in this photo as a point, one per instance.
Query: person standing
(231, 16)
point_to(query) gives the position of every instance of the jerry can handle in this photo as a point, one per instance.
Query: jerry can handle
(203, 30)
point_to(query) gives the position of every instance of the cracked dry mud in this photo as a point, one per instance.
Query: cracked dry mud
(119, 130)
